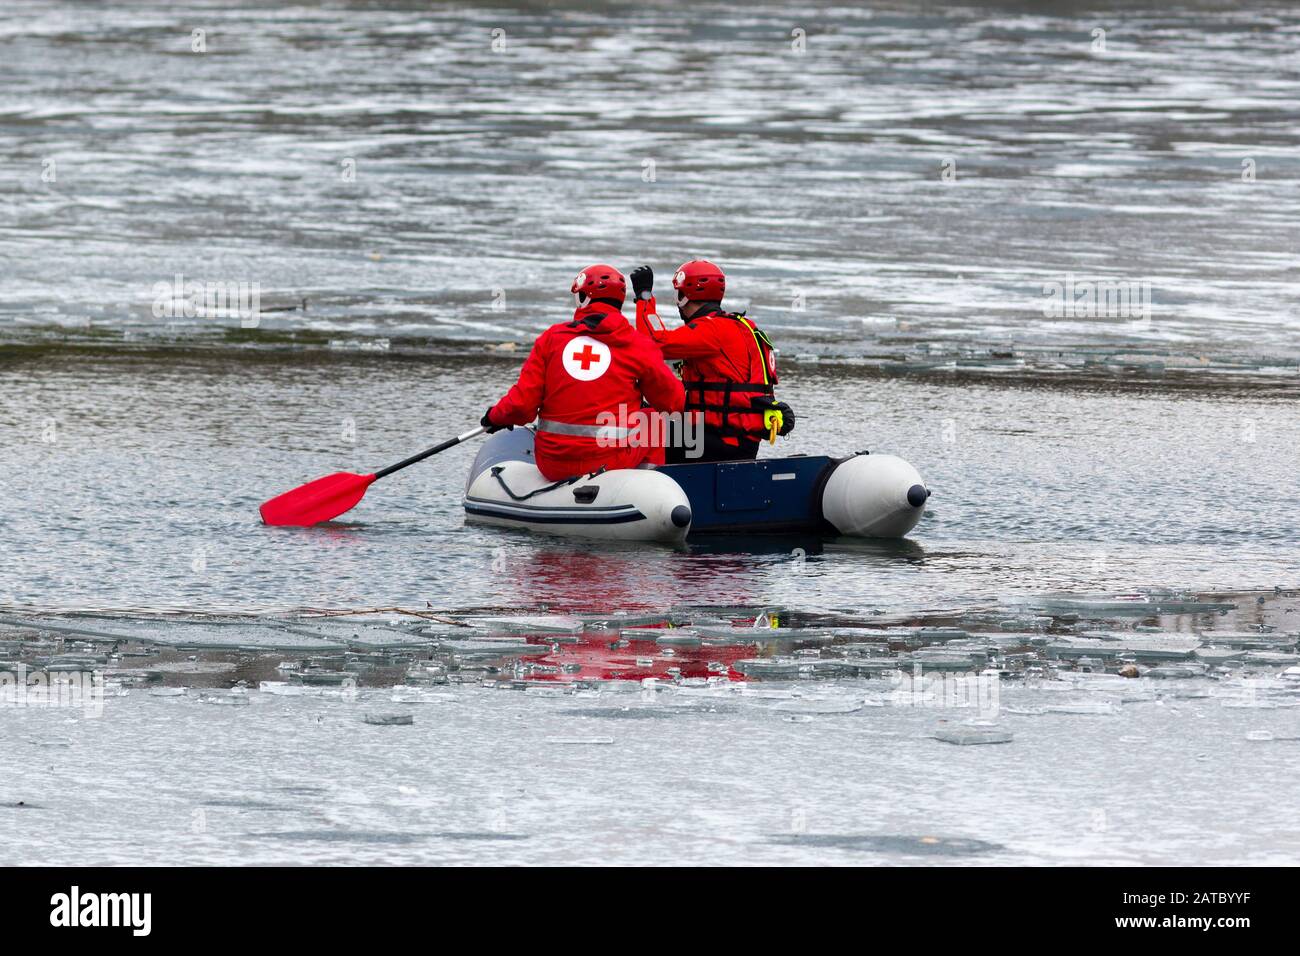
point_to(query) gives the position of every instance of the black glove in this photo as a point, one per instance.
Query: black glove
(787, 418)
(486, 422)
(643, 280)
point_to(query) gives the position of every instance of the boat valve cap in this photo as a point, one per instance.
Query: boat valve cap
(917, 494)
(680, 516)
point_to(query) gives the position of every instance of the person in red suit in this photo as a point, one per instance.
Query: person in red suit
(728, 364)
(585, 382)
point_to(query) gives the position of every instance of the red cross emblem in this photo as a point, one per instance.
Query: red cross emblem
(586, 359)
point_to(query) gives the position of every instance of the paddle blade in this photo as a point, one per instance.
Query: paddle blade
(317, 500)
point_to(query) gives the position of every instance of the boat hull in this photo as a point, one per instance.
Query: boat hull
(870, 496)
(629, 504)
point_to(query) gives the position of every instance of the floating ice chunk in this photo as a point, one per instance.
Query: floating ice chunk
(867, 637)
(1140, 606)
(1245, 703)
(1275, 658)
(813, 705)
(580, 741)
(946, 659)
(965, 734)
(740, 635)
(1093, 680)
(281, 688)
(765, 693)
(198, 635)
(788, 667)
(415, 695)
(649, 633)
(1248, 639)
(1267, 736)
(323, 678)
(532, 624)
(488, 648)
(1083, 707)
(1218, 655)
(167, 692)
(678, 636)
(867, 666)
(1177, 671)
(389, 720)
(621, 620)
(937, 635)
(224, 700)
(363, 636)
(1107, 645)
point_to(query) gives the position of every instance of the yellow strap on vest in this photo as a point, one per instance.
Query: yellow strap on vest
(762, 359)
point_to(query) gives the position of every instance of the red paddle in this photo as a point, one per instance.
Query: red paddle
(329, 497)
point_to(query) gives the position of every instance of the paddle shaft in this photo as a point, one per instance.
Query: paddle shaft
(428, 452)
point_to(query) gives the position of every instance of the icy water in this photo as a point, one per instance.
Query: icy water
(417, 170)
(890, 190)
(1053, 731)
(147, 494)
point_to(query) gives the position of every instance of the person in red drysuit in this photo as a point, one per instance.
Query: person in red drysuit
(585, 380)
(728, 364)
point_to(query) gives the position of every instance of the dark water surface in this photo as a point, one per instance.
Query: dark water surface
(499, 148)
(147, 495)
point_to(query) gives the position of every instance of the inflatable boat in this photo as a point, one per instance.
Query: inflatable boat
(863, 495)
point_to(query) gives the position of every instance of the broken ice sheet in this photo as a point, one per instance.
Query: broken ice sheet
(416, 695)
(235, 634)
(230, 699)
(968, 734)
(1248, 639)
(389, 720)
(531, 623)
(491, 648)
(904, 845)
(1097, 707)
(580, 741)
(1144, 646)
(1176, 671)
(788, 668)
(819, 705)
(359, 636)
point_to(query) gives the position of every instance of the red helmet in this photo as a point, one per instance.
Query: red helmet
(699, 281)
(600, 282)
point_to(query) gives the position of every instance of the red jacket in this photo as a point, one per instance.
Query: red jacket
(724, 369)
(578, 370)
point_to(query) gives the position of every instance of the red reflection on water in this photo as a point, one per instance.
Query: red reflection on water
(606, 657)
(596, 579)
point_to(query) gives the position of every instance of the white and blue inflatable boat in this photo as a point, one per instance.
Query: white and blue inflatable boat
(863, 495)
